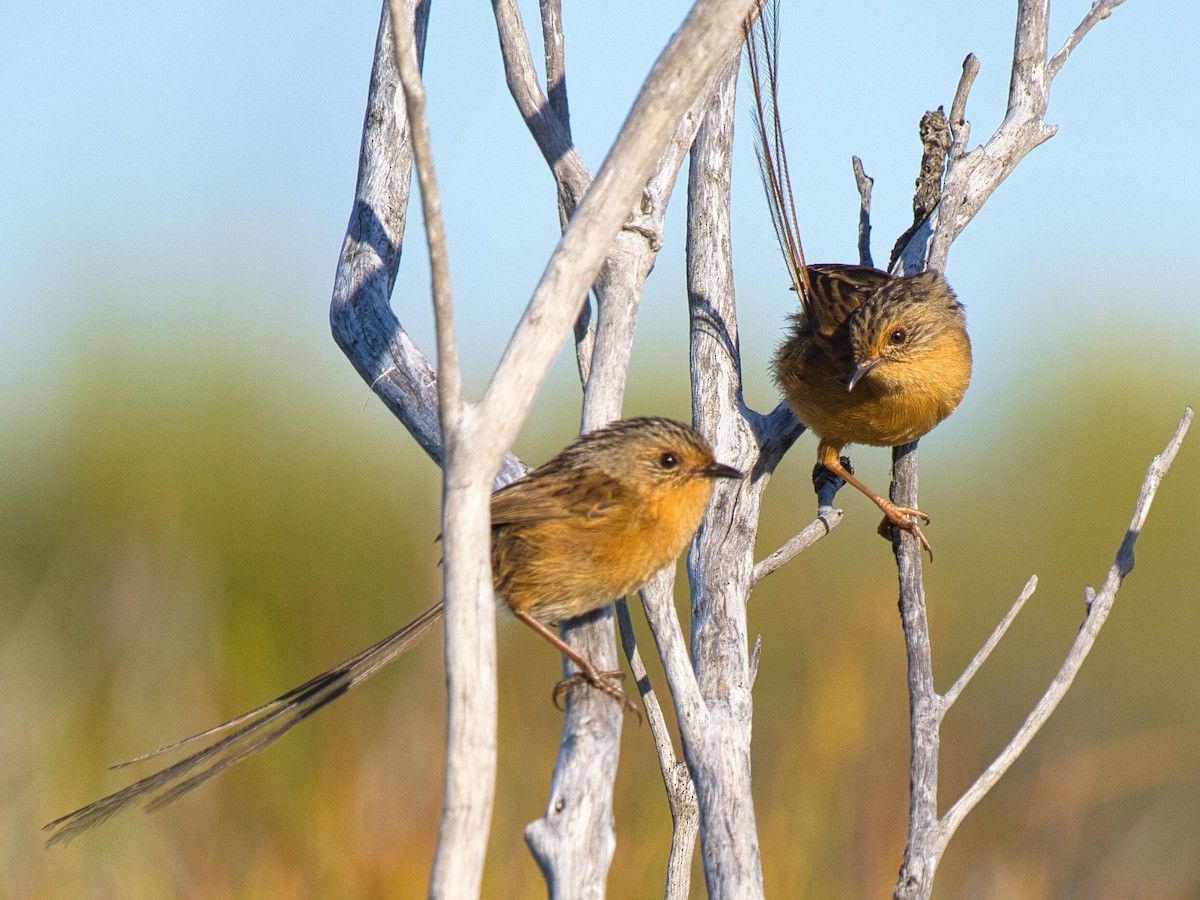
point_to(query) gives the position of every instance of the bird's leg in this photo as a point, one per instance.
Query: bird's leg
(602, 681)
(904, 517)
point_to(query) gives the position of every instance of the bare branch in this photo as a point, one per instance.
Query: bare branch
(960, 128)
(470, 639)
(1101, 9)
(988, 646)
(685, 822)
(775, 433)
(925, 707)
(658, 601)
(360, 314)
(573, 841)
(550, 131)
(654, 714)
(1097, 613)
(706, 35)
(828, 520)
(366, 329)
(969, 180)
(972, 177)
(864, 183)
(715, 725)
(556, 61)
(681, 792)
(450, 382)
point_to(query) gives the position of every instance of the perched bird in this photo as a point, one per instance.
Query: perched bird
(873, 359)
(586, 528)
(870, 358)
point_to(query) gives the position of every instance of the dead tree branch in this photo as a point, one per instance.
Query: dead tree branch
(917, 874)
(970, 179)
(467, 447)
(588, 752)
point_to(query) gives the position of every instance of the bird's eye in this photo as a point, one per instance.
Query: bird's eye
(668, 460)
(898, 336)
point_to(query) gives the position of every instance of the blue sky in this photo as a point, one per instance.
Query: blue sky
(186, 171)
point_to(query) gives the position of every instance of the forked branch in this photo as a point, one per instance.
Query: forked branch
(970, 179)
(1097, 606)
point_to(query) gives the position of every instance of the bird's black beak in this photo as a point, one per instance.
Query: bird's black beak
(860, 370)
(720, 470)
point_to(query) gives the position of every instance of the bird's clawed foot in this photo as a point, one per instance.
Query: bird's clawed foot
(904, 517)
(605, 682)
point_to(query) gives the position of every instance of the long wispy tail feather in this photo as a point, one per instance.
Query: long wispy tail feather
(762, 59)
(241, 736)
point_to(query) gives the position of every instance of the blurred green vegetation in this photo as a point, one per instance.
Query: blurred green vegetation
(188, 531)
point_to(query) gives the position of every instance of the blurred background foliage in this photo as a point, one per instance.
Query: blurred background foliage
(189, 527)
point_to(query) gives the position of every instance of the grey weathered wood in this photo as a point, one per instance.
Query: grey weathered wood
(360, 314)
(578, 820)
(970, 178)
(973, 176)
(925, 705)
(929, 834)
(470, 767)
(677, 79)
(1097, 606)
(373, 339)
(721, 559)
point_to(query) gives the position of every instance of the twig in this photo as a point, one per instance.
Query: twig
(550, 130)
(1097, 613)
(864, 183)
(972, 177)
(798, 543)
(681, 792)
(470, 639)
(1101, 9)
(960, 128)
(654, 715)
(925, 706)
(556, 62)
(450, 374)
(988, 646)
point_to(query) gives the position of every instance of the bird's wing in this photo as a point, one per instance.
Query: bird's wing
(541, 499)
(839, 290)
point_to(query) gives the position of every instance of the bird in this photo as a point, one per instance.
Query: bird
(870, 358)
(589, 526)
